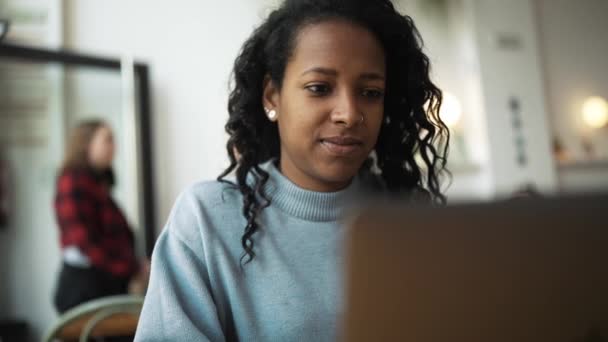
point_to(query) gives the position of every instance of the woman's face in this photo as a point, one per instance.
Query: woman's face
(331, 104)
(101, 148)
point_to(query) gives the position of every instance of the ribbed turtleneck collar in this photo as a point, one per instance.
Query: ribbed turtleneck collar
(306, 204)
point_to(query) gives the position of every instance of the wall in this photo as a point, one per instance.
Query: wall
(190, 67)
(574, 51)
(190, 46)
(506, 38)
(191, 63)
(29, 256)
(448, 31)
(29, 251)
(464, 39)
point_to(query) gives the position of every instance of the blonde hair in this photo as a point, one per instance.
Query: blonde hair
(77, 147)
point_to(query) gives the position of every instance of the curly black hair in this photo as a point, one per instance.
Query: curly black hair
(411, 150)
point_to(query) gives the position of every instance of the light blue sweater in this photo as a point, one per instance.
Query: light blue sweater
(292, 289)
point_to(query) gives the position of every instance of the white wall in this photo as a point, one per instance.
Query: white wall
(462, 40)
(190, 46)
(513, 69)
(29, 246)
(575, 53)
(448, 31)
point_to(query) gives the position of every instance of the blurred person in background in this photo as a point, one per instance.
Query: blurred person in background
(97, 245)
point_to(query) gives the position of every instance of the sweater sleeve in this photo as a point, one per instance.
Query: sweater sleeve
(179, 305)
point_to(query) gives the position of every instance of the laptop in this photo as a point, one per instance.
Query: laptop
(523, 270)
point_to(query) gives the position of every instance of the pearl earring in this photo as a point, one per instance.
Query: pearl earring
(272, 115)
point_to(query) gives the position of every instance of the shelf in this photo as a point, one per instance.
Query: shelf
(583, 165)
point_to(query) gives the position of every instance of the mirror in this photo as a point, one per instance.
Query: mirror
(45, 95)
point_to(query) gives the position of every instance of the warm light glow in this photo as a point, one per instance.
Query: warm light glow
(595, 112)
(451, 110)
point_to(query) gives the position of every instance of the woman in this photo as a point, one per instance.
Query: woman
(327, 95)
(96, 241)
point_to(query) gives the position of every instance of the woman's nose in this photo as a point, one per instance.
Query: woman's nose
(346, 111)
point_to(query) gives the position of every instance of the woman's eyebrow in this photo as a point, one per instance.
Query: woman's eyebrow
(331, 72)
(321, 70)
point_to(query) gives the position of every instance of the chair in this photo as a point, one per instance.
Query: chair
(105, 317)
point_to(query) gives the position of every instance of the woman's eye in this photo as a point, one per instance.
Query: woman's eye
(318, 89)
(373, 93)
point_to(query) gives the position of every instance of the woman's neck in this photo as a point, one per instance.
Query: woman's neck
(309, 182)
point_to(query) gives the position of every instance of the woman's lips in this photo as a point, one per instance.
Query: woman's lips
(342, 145)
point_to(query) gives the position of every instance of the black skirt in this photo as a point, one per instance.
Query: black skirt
(78, 285)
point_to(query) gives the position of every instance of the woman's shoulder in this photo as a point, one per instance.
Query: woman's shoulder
(207, 210)
(211, 194)
(76, 178)
(205, 200)
(74, 172)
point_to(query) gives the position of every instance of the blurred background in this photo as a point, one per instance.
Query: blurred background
(525, 95)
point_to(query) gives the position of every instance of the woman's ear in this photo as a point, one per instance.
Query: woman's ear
(270, 97)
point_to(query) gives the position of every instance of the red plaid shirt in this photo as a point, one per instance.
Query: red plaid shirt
(89, 219)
